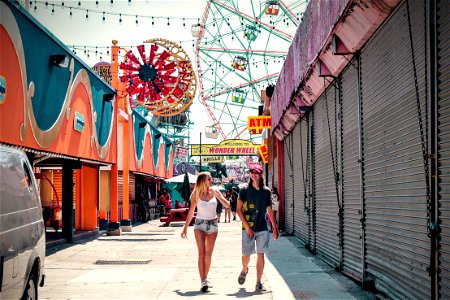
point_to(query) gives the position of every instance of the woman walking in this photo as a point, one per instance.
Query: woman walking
(204, 198)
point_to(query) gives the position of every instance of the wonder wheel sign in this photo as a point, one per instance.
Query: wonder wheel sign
(159, 76)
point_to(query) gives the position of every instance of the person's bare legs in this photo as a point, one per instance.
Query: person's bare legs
(200, 238)
(259, 266)
(245, 262)
(210, 241)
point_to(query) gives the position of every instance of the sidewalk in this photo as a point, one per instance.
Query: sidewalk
(153, 262)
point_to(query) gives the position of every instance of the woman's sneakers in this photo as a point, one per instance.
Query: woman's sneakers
(205, 286)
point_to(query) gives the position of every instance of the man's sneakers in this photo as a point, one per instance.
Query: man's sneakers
(242, 276)
(259, 287)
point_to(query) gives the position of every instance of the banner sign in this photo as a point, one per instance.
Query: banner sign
(181, 153)
(226, 148)
(259, 122)
(264, 151)
(212, 159)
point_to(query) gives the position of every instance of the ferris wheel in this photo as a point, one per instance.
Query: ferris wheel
(240, 50)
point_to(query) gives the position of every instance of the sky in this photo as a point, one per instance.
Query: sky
(88, 27)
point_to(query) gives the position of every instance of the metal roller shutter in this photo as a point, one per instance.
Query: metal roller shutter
(351, 175)
(443, 12)
(288, 184)
(120, 186)
(327, 221)
(275, 173)
(300, 181)
(397, 246)
(132, 187)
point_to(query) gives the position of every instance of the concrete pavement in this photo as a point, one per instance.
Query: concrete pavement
(153, 262)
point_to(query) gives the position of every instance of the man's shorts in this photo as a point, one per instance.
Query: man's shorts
(248, 245)
(207, 226)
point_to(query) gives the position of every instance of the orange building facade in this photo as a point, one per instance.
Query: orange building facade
(89, 148)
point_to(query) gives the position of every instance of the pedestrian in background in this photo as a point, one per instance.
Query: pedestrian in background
(275, 202)
(204, 198)
(233, 202)
(227, 210)
(253, 203)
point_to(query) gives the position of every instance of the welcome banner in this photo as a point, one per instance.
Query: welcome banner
(226, 147)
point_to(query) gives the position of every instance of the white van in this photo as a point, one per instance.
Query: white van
(22, 230)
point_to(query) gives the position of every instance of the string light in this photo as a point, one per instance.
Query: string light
(79, 7)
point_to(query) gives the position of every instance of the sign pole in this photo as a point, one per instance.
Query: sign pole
(200, 151)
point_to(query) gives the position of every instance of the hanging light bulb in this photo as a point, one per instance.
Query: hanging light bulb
(104, 19)
(70, 12)
(120, 18)
(79, 3)
(168, 23)
(137, 22)
(184, 23)
(62, 4)
(53, 9)
(87, 14)
(153, 21)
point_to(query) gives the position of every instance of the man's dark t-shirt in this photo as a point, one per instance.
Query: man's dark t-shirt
(254, 206)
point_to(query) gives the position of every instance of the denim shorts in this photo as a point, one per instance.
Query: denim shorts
(207, 226)
(260, 240)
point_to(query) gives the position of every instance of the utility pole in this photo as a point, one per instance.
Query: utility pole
(200, 151)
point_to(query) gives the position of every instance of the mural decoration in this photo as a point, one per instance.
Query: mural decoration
(159, 77)
(46, 98)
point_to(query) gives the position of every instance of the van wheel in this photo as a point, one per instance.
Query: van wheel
(30, 292)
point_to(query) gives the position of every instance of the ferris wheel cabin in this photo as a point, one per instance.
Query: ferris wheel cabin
(196, 30)
(211, 132)
(272, 8)
(239, 63)
(251, 32)
(239, 96)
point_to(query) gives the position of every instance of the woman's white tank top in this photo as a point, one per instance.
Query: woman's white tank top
(206, 210)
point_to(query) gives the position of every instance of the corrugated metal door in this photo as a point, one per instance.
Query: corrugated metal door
(351, 175)
(288, 184)
(120, 186)
(327, 221)
(443, 11)
(132, 187)
(300, 181)
(397, 245)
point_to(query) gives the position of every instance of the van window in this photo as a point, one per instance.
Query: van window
(17, 188)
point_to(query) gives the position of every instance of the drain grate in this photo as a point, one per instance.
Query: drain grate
(121, 262)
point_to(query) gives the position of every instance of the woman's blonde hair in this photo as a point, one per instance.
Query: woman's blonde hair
(201, 186)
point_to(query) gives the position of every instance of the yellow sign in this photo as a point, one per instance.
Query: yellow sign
(212, 159)
(264, 151)
(259, 122)
(226, 147)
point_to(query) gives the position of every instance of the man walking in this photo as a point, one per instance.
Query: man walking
(253, 203)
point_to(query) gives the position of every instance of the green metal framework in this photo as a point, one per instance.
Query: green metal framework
(228, 58)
